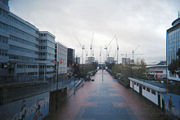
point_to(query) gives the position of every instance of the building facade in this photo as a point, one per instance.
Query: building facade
(110, 60)
(157, 71)
(90, 60)
(70, 57)
(78, 60)
(61, 58)
(172, 46)
(24, 50)
(126, 60)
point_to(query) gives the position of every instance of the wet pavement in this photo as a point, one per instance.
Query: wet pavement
(106, 99)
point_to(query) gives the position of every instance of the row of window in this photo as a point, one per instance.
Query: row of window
(13, 29)
(13, 38)
(32, 73)
(51, 44)
(48, 54)
(29, 73)
(46, 47)
(21, 58)
(27, 66)
(46, 66)
(3, 39)
(22, 49)
(147, 89)
(42, 73)
(15, 21)
(3, 13)
(3, 52)
(50, 37)
(3, 26)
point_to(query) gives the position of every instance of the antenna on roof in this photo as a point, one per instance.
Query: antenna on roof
(178, 14)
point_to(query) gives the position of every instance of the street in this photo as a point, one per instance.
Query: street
(106, 99)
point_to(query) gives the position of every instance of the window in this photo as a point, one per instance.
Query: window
(3, 13)
(28, 28)
(153, 92)
(3, 52)
(148, 89)
(3, 39)
(13, 38)
(3, 26)
(22, 49)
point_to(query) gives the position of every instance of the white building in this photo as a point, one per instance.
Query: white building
(61, 58)
(157, 71)
(172, 46)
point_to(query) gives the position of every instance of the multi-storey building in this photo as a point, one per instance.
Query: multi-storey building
(172, 46)
(110, 60)
(70, 57)
(126, 60)
(23, 49)
(46, 55)
(90, 60)
(61, 58)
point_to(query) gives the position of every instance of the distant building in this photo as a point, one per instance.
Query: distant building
(90, 60)
(172, 46)
(26, 54)
(70, 57)
(157, 71)
(110, 60)
(78, 60)
(126, 60)
(61, 58)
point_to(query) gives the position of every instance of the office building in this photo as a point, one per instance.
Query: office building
(90, 60)
(46, 55)
(78, 60)
(126, 60)
(110, 60)
(61, 58)
(26, 53)
(172, 46)
(70, 57)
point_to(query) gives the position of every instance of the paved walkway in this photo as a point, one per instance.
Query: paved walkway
(106, 99)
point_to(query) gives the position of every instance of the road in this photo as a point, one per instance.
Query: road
(106, 99)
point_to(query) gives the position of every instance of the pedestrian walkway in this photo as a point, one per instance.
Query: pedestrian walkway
(106, 99)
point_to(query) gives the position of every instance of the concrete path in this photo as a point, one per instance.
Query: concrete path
(106, 99)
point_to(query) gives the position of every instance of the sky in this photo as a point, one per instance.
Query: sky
(136, 24)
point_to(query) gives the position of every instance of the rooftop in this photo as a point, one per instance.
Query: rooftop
(150, 84)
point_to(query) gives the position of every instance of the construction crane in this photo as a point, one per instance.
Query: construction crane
(83, 48)
(133, 52)
(106, 47)
(117, 50)
(91, 45)
(100, 55)
(86, 51)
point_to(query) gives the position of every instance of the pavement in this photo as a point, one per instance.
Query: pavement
(106, 99)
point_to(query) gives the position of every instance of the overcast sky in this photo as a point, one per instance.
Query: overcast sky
(135, 23)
